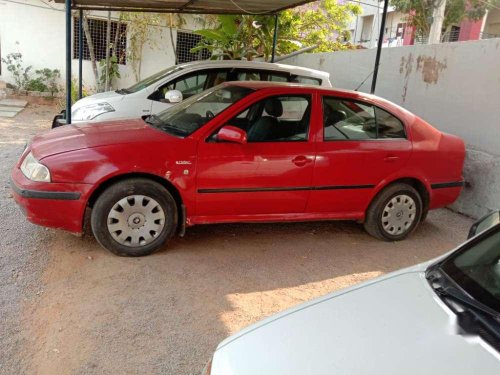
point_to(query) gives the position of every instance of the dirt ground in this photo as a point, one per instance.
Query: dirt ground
(70, 307)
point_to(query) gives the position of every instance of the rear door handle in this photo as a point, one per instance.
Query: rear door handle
(300, 160)
(391, 158)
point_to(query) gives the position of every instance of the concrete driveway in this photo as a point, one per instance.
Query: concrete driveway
(70, 307)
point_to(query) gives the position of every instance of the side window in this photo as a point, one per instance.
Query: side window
(307, 80)
(189, 84)
(388, 125)
(216, 77)
(278, 119)
(248, 75)
(276, 77)
(343, 119)
(352, 120)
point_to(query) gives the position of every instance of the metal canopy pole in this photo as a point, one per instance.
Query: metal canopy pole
(379, 47)
(80, 54)
(68, 61)
(275, 37)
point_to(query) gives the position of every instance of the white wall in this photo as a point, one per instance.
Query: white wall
(39, 31)
(454, 86)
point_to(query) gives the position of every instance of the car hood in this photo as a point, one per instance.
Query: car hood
(108, 96)
(393, 325)
(79, 136)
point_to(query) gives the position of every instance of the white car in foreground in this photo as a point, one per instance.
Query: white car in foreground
(163, 89)
(439, 317)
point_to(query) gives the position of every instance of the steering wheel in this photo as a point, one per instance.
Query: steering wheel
(210, 115)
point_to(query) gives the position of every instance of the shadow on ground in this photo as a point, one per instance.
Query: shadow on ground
(166, 313)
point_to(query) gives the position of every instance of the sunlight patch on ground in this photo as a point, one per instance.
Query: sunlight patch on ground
(249, 308)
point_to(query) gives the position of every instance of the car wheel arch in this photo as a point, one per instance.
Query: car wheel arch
(103, 185)
(421, 185)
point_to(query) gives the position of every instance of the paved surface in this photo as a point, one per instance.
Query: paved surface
(69, 307)
(11, 107)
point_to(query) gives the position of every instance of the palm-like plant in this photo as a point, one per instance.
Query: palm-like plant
(231, 40)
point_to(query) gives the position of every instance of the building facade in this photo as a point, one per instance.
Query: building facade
(36, 29)
(365, 28)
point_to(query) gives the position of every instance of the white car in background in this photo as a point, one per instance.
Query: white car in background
(439, 317)
(163, 89)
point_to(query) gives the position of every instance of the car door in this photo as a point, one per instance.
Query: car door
(189, 84)
(362, 145)
(271, 173)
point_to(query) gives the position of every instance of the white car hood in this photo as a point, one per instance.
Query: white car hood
(108, 97)
(392, 325)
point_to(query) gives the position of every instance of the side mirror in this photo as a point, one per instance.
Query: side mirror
(173, 96)
(485, 223)
(232, 134)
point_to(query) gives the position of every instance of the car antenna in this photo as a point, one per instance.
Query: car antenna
(361, 84)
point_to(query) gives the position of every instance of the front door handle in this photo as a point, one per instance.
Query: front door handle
(300, 160)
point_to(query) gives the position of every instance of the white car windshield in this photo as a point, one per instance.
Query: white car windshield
(150, 80)
(188, 116)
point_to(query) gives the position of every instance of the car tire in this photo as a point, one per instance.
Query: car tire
(394, 213)
(134, 217)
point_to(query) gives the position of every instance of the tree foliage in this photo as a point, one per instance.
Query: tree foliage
(420, 12)
(322, 23)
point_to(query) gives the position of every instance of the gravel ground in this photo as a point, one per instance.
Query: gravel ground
(70, 307)
(21, 260)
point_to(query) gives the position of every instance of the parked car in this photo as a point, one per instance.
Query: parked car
(241, 152)
(438, 317)
(163, 89)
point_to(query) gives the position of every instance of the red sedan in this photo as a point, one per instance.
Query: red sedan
(241, 152)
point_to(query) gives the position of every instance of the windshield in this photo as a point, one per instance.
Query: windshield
(150, 80)
(188, 116)
(476, 269)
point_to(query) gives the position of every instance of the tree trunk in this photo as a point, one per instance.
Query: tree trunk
(437, 22)
(172, 39)
(90, 44)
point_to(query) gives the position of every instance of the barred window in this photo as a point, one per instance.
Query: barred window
(97, 30)
(186, 41)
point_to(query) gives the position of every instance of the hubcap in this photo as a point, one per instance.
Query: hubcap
(399, 214)
(136, 220)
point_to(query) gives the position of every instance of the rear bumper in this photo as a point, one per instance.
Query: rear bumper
(445, 193)
(54, 205)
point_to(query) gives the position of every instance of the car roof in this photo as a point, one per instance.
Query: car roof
(297, 70)
(261, 85)
(349, 94)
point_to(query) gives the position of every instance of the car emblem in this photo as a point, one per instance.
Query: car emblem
(183, 162)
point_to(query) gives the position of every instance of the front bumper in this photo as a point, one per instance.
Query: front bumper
(54, 205)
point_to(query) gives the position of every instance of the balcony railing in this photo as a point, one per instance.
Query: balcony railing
(450, 36)
(484, 35)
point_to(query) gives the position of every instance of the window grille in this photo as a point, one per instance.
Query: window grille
(186, 41)
(97, 30)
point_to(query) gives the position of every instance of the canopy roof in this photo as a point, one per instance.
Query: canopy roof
(189, 6)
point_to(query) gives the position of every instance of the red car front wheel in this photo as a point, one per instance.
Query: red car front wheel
(134, 217)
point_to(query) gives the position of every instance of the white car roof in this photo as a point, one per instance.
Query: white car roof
(296, 70)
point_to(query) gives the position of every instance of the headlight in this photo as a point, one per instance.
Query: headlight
(33, 170)
(91, 111)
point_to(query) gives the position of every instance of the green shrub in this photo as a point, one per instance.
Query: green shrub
(49, 79)
(36, 84)
(14, 62)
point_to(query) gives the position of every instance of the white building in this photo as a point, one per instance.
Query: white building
(365, 28)
(36, 29)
